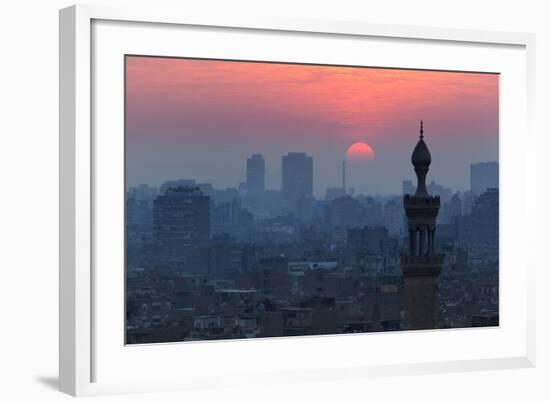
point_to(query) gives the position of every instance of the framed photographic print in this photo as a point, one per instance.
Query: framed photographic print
(274, 199)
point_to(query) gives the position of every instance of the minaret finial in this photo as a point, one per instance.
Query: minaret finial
(421, 130)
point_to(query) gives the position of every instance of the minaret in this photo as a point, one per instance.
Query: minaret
(421, 265)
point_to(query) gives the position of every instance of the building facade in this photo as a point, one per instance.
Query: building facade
(181, 218)
(482, 225)
(393, 217)
(297, 176)
(255, 175)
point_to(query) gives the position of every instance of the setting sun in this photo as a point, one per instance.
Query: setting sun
(360, 151)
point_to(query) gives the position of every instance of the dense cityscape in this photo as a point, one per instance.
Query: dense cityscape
(208, 263)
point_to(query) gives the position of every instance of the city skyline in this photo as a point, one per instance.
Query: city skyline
(205, 264)
(257, 223)
(494, 179)
(169, 134)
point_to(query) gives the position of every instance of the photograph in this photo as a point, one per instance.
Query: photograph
(271, 199)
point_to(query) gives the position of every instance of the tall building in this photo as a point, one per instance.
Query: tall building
(483, 176)
(421, 266)
(297, 176)
(451, 210)
(139, 221)
(230, 218)
(255, 174)
(206, 189)
(181, 218)
(482, 224)
(139, 214)
(143, 192)
(393, 217)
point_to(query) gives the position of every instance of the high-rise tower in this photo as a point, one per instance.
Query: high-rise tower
(421, 265)
(181, 218)
(297, 176)
(255, 175)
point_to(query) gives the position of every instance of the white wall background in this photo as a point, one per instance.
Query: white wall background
(29, 199)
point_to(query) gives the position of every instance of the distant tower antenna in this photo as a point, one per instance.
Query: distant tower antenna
(344, 176)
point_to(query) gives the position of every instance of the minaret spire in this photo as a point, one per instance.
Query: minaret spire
(422, 265)
(421, 160)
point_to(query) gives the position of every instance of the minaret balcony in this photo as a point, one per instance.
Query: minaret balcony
(421, 200)
(426, 265)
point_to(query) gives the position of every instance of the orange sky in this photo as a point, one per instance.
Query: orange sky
(199, 103)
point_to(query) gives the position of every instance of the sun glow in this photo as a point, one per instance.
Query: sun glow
(360, 151)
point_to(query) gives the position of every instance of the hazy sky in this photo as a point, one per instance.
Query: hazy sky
(201, 119)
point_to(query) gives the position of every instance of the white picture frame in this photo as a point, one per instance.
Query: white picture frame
(80, 316)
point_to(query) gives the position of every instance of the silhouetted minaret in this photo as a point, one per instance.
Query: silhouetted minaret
(421, 266)
(344, 177)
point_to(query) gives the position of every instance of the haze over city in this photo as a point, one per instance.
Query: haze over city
(268, 200)
(201, 119)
